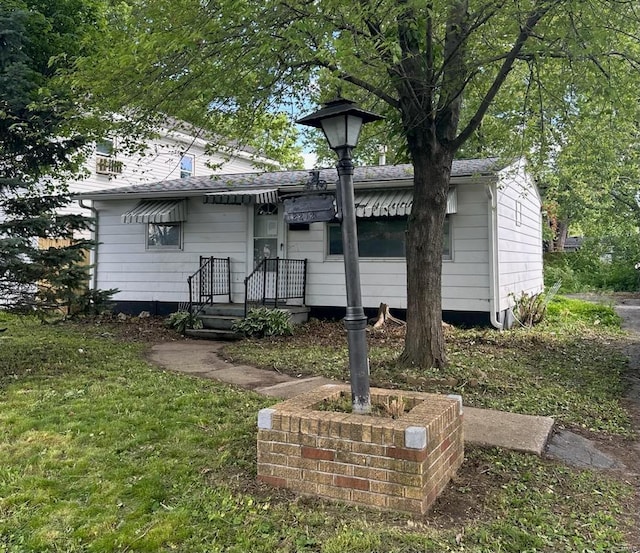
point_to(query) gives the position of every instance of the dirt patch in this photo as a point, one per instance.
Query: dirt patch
(148, 330)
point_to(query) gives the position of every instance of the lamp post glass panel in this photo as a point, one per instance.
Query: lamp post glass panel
(341, 121)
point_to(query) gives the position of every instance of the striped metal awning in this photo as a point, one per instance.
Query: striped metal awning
(157, 211)
(239, 197)
(393, 203)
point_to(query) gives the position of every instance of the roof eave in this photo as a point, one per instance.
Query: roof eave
(369, 185)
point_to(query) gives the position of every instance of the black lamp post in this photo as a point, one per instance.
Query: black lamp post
(341, 121)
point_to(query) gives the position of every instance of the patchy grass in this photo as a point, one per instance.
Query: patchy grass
(99, 452)
(570, 368)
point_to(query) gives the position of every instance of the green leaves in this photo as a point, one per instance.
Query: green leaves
(263, 321)
(182, 320)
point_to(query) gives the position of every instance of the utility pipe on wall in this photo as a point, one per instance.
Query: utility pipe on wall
(494, 272)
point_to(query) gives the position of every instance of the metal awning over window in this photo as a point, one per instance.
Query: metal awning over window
(157, 211)
(238, 197)
(393, 203)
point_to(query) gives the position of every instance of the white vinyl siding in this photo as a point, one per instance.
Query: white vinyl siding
(150, 275)
(226, 231)
(159, 161)
(465, 278)
(519, 236)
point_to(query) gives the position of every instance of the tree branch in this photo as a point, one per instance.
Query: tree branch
(346, 77)
(632, 205)
(525, 32)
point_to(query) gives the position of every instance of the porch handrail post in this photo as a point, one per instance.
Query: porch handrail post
(246, 294)
(229, 278)
(277, 283)
(212, 274)
(304, 282)
(264, 281)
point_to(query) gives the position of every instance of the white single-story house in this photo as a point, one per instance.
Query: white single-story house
(228, 238)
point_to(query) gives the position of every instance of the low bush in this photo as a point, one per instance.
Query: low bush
(183, 319)
(263, 321)
(530, 309)
(92, 302)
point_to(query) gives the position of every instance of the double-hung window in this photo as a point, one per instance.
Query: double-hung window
(187, 163)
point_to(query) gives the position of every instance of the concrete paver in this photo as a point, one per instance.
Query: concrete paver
(292, 388)
(488, 427)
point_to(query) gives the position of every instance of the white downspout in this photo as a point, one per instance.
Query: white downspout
(93, 285)
(494, 273)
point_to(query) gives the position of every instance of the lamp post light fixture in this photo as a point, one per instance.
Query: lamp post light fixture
(341, 121)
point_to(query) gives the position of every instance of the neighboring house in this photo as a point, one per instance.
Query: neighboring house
(178, 151)
(153, 237)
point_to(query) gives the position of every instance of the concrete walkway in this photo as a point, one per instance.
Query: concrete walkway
(481, 426)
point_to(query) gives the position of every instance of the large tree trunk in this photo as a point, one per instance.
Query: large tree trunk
(430, 122)
(424, 344)
(561, 235)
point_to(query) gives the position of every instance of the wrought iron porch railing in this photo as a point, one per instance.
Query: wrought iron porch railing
(211, 280)
(275, 281)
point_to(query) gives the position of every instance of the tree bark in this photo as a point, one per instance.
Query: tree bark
(561, 236)
(424, 343)
(430, 137)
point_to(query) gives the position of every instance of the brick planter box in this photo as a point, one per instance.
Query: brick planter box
(401, 464)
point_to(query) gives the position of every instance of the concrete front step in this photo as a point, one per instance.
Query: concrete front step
(218, 322)
(224, 310)
(222, 315)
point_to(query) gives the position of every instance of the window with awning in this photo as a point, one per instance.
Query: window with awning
(382, 237)
(157, 211)
(382, 224)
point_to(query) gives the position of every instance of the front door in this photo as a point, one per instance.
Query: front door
(268, 244)
(266, 233)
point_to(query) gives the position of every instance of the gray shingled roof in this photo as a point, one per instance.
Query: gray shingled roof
(279, 179)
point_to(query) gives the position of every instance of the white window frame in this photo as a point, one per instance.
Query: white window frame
(183, 173)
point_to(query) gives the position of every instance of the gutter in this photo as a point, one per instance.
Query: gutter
(93, 283)
(494, 273)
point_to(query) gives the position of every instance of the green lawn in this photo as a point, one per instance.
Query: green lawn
(101, 452)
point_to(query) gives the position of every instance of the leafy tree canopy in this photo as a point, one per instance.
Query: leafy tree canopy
(452, 77)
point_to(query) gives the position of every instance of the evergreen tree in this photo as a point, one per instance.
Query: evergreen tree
(38, 154)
